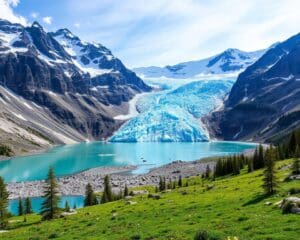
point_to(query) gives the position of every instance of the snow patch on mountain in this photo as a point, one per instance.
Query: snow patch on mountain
(231, 61)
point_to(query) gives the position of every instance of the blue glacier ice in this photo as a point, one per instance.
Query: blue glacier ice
(174, 114)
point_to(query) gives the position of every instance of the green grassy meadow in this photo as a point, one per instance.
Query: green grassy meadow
(227, 207)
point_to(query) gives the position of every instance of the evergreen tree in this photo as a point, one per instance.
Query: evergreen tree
(3, 204)
(20, 207)
(28, 207)
(107, 193)
(67, 207)
(293, 143)
(208, 171)
(50, 204)
(296, 161)
(90, 197)
(255, 159)
(236, 165)
(250, 165)
(270, 180)
(126, 191)
(169, 184)
(74, 206)
(180, 181)
(261, 160)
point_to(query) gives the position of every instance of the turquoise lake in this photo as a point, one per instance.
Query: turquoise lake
(36, 203)
(74, 158)
(69, 159)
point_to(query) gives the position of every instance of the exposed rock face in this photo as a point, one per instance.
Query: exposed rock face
(75, 84)
(265, 100)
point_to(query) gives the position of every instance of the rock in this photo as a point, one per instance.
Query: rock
(131, 203)
(128, 197)
(268, 203)
(290, 205)
(139, 192)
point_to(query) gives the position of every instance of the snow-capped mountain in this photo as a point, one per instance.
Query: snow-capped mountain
(265, 100)
(230, 61)
(75, 84)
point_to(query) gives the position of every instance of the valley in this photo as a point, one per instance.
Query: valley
(167, 131)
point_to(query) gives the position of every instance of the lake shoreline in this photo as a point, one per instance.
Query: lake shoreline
(74, 184)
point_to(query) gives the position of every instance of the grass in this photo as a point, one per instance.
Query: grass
(227, 207)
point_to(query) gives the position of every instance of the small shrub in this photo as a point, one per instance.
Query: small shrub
(5, 150)
(240, 219)
(136, 237)
(53, 235)
(294, 190)
(204, 235)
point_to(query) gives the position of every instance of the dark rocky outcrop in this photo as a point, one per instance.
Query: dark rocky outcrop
(81, 85)
(265, 100)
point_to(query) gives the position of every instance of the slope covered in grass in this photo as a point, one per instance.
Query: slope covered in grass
(230, 206)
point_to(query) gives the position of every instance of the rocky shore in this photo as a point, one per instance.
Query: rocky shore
(75, 184)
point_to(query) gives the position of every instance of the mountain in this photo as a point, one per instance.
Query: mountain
(265, 100)
(229, 61)
(56, 88)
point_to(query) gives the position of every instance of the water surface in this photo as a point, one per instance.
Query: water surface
(74, 158)
(36, 202)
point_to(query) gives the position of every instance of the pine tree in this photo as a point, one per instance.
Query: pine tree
(20, 207)
(28, 207)
(270, 180)
(180, 181)
(207, 172)
(236, 166)
(107, 193)
(255, 159)
(74, 206)
(67, 207)
(126, 191)
(296, 161)
(169, 184)
(3, 204)
(261, 160)
(250, 165)
(293, 143)
(50, 207)
(90, 197)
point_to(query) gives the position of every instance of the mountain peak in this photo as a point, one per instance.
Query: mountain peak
(37, 25)
(65, 33)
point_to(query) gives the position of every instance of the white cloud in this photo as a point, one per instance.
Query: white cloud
(47, 20)
(161, 32)
(7, 13)
(77, 25)
(34, 15)
(14, 3)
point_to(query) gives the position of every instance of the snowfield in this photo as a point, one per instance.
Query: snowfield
(174, 114)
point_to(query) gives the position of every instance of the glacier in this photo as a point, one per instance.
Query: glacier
(174, 113)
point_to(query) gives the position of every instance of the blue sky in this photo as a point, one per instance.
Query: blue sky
(162, 32)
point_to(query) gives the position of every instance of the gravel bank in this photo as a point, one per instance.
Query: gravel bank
(75, 184)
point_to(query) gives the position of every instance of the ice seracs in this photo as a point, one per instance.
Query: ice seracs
(174, 115)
